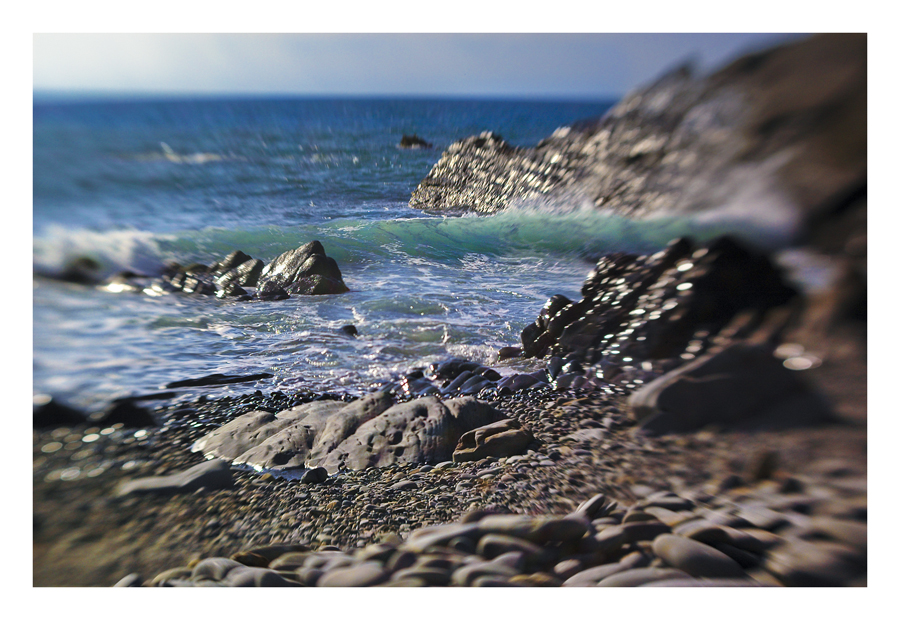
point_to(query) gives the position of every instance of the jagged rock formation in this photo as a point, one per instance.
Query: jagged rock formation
(306, 270)
(785, 127)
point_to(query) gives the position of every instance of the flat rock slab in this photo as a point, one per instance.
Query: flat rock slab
(219, 379)
(212, 475)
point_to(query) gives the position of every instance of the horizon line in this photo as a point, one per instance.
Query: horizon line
(56, 95)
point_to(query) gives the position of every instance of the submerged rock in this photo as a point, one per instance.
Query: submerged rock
(413, 142)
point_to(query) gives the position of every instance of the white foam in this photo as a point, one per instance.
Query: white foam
(115, 250)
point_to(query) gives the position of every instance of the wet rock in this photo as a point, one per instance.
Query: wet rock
(270, 291)
(219, 379)
(245, 274)
(413, 142)
(305, 270)
(232, 261)
(211, 475)
(349, 330)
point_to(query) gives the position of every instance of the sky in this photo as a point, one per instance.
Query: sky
(567, 66)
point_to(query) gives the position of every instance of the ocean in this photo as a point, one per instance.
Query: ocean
(134, 184)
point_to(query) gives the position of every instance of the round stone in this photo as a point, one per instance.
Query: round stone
(695, 558)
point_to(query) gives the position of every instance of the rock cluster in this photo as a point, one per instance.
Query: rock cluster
(306, 270)
(672, 304)
(763, 534)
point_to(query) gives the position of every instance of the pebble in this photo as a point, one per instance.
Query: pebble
(695, 558)
(362, 574)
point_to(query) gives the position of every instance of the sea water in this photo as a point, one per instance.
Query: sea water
(134, 184)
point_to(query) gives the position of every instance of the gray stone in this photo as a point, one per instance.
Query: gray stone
(640, 576)
(807, 564)
(254, 577)
(728, 387)
(214, 568)
(500, 439)
(466, 575)
(211, 475)
(424, 430)
(492, 545)
(695, 558)
(360, 575)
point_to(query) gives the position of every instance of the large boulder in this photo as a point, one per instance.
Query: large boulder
(308, 267)
(784, 129)
(372, 431)
(211, 475)
(741, 384)
(659, 306)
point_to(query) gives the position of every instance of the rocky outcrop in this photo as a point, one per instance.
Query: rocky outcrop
(781, 130)
(671, 304)
(370, 432)
(306, 270)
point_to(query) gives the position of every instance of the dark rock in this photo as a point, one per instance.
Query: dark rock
(317, 285)
(791, 119)
(230, 262)
(508, 352)
(413, 142)
(219, 379)
(48, 412)
(695, 558)
(740, 382)
(212, 475)
(126, 413)
(81, 270)
(306, 270)
(349, 330)
(270, 291)
(316, 475)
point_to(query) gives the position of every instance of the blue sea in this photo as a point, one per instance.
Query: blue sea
(134, 184)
